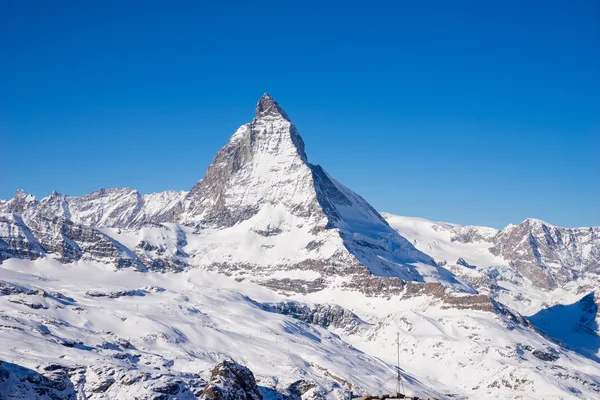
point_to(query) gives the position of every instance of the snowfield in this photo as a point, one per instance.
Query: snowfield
(185, 323)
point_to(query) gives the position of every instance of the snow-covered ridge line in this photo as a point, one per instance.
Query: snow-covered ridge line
(525, 266)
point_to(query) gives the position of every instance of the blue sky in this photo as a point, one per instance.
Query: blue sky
(478, 112)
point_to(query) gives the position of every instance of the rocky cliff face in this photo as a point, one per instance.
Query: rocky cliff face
(533, 253)
(547, 255)
(324, 315)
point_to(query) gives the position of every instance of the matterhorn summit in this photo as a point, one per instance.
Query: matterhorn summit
(280, 211)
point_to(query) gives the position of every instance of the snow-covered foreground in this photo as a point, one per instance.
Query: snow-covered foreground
(176, 325)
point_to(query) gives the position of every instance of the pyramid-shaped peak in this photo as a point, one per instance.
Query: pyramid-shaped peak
(267, 106)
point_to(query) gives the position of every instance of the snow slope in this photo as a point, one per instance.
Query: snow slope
(174, 327)
(469, 252)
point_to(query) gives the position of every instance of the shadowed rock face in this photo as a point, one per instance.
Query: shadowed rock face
(575, 325)
(20, 383)
(231, 381)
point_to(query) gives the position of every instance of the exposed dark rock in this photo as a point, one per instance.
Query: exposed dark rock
(30, 304)
(324, 315)
(300, 387)
(116, 294)
(295, 285)
(103, 385)
(231, 381)
(171, 388)
(461, 261)
(22, 383)
(548, 355)
(7, 288)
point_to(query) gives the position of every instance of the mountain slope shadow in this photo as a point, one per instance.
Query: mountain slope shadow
(368, 237)
(574, 325)
(18, 382)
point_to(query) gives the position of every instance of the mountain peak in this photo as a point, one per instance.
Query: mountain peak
(267, 106)
(535, 222)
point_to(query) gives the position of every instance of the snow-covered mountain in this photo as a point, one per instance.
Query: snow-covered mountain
(532, 261)
(261, 208)
(271, 262)
(535, 268)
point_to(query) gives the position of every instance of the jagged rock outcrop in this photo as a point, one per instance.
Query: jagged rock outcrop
(324, 315)
(20, 383)
(547, 255)
(231, 381)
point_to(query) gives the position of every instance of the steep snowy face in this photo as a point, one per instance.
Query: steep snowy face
(263, 164)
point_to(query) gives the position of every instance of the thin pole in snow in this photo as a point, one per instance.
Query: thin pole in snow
(398, 365)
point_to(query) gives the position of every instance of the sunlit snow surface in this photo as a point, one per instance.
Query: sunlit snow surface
(201, 318)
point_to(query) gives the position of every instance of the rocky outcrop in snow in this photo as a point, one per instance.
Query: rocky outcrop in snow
(324, 315)
(231, 381)
(77, 382)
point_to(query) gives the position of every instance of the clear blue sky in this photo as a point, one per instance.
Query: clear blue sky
(479, 112)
